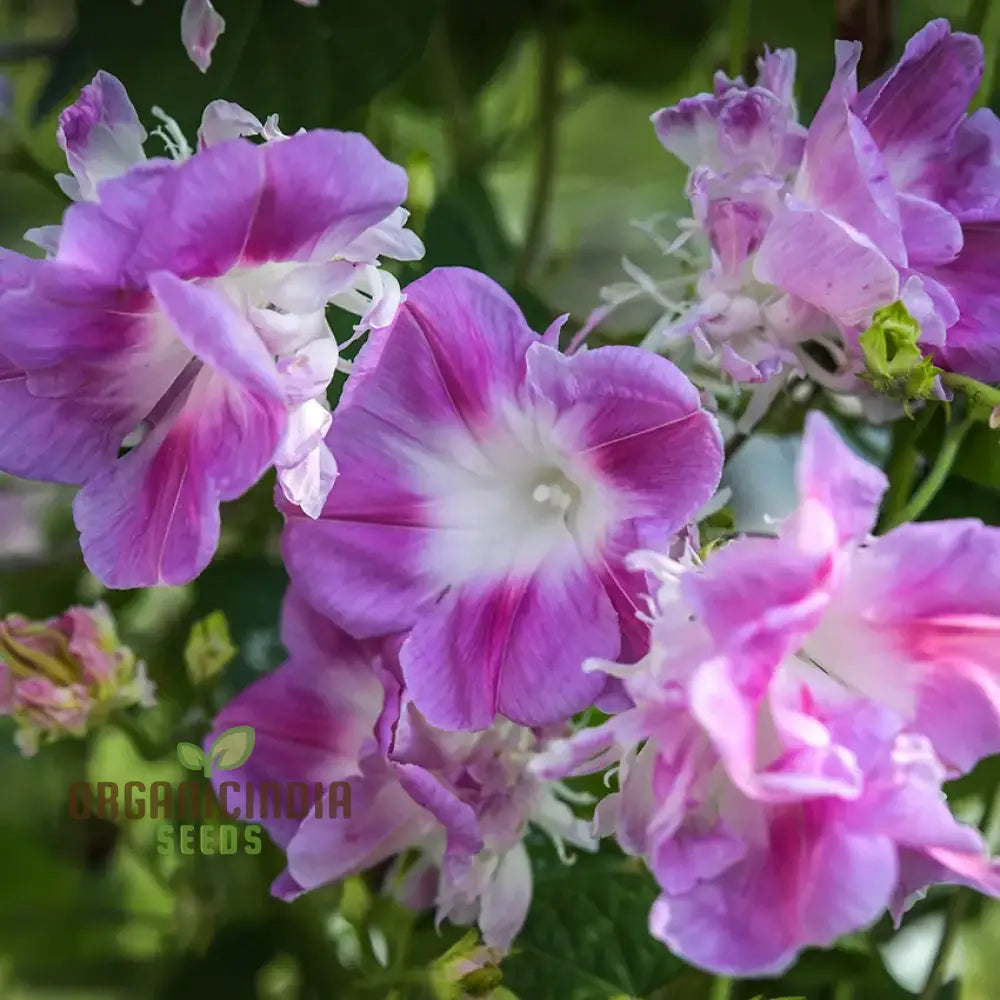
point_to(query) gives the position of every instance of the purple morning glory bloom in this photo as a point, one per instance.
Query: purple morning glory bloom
(890, 195)
(462, 802)
(491, 486)
(181, 316)
(896, 199)
(743, 145)
(804, 699)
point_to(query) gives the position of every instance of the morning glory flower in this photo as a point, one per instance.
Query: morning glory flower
(750, 772)
(455, 805)
(491, 486)
(180, 318)
(890, 195)
(742, 145)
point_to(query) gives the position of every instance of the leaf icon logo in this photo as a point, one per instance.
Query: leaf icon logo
(231, 748)
(190, 756)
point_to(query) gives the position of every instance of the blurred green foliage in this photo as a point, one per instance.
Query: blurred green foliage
(451, 89)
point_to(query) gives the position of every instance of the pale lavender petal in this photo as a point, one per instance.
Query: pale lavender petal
(101, 136)
(504, 905)
(932, 234)
(306, 468)
(384, 821)
(693, 856)
(222, 120)
(847, 486)
(201, 26)
(828, 264)
(843, 172)
(388, 238)
(211, 328)
(457, 817)
(776, 73)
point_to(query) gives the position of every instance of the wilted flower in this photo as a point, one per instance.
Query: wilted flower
(63, 676)
(182, 315)
(491, 486)
(458, 804)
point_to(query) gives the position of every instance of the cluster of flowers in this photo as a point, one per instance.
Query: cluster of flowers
(490, 536)
(890, 194)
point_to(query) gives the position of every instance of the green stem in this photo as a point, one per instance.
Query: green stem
(459, 118)
(902, 467)
(973, 390)
(549, 101)
(936, 475)
(735, 443)
(739, 35)
(957, 907)
(843, 990)
(978, 9)
(722, 988)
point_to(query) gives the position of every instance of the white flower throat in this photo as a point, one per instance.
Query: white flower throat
(510, 496)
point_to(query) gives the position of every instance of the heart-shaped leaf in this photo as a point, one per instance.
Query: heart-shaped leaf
(190, 755)
(232, 748)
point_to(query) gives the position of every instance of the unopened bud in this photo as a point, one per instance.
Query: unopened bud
(62, 676)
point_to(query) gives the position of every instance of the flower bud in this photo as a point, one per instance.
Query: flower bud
(468, 969)
(62, 676)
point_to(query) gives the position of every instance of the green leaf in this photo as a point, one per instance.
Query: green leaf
(979, 458)
(232, 748)
(209, 648)
(587, 934)
(191, 756)
(463, 229)
(645, 43)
